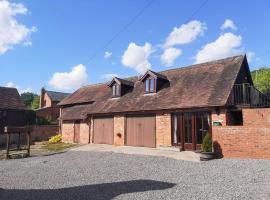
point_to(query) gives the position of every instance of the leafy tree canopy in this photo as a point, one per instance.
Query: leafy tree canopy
(261, 79)
(30, 99)
(35, 103)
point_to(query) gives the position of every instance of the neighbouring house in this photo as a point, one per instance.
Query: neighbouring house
(176, 107)
(48, 107)
(12, 109)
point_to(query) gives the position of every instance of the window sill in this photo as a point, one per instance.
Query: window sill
(115, 98)
(149, 94)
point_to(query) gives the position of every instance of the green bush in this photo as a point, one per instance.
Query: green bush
(55, 139)
(43, 121)
(207, 143)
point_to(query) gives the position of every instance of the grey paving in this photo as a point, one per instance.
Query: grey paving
(108, 175)
(171, 152)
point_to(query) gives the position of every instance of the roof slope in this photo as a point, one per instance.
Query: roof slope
(57, 96)
(202, 85)
(10, 99)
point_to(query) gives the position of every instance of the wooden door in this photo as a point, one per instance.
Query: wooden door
(103, 130)
(140, 131)
(77, 132)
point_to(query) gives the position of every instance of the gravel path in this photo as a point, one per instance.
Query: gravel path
(95, 175)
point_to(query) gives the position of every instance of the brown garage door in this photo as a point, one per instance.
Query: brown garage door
(103, 130)
(140, 131)
(77, 132)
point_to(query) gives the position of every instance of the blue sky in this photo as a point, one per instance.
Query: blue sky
(52, 41)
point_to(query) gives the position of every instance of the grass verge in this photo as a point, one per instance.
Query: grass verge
(57, 146)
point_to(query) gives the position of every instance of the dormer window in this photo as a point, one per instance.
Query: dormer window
(153, 81)
(116, 90)
(120, 86)
(149, 85)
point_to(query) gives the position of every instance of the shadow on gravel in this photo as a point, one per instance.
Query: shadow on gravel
(104, 191)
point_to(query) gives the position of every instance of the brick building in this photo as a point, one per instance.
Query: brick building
(48, 107)
(176, 107)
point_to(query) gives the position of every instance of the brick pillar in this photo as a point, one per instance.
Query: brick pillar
(163, 130)
(219, 116)
(119, 130)
(68, 132)
(91, 130)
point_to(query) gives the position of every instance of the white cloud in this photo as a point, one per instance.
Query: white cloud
(137, 57)
(186, 33)
(228, 24)
(226, 45)
(108, 77)
(11, 85)
(107, 54)
(169, 56)
(74, 79)
(11, 31)
(20, 90)
(250, 56)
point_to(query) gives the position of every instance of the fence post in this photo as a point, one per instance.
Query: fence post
(19, 141)
(7, 155)
(28, 143)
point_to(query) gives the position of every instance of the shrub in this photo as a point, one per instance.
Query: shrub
(55, 139)
(207, 143)
(42, 121)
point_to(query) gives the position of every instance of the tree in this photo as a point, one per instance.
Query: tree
(27, 98)
(35, 103)
(31, 100)
(261, 79)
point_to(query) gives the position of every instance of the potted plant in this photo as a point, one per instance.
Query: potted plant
(207, 153)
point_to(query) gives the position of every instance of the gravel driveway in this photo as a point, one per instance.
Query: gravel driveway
(106, 175)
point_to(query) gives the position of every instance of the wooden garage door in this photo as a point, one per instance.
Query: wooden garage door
(140, 131)
(77, 132)
(103, 130)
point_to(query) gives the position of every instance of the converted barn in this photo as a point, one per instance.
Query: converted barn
(176, 107)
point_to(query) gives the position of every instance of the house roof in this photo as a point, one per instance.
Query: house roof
(154, 74)
(57, 96)
(10, 99)
(75, 112)
(121, 81)
(201, 85)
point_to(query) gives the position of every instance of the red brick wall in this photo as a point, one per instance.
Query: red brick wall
(252, 140)
(219, 116)
(67, 131)
(40, 133)
(43, 133)
(119, 130)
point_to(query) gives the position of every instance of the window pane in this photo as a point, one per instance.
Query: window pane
(147, 85)
(188, 127)
(113, 90)
(175, 129)
(152, 85)
(202, 126)
(117, 90)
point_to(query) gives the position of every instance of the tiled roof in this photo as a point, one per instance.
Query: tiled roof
(10, 99)
(57, 96)
(201, 85)
(75, 112)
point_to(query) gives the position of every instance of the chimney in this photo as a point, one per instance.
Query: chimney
(41, 100)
